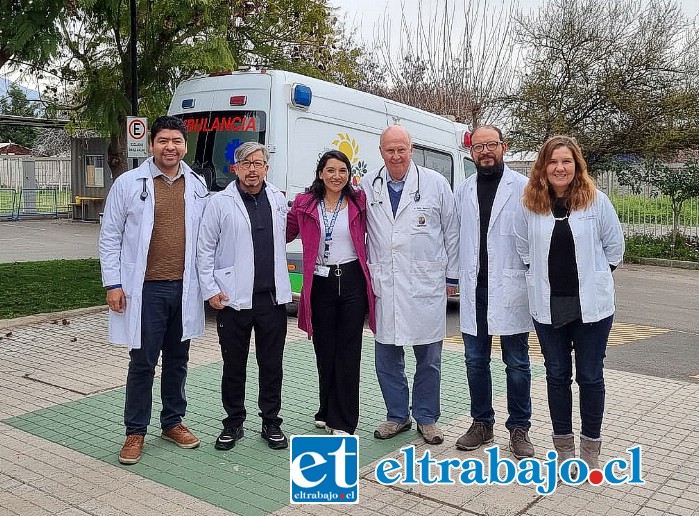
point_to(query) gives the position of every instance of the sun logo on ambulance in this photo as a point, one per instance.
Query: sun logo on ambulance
(349, 147)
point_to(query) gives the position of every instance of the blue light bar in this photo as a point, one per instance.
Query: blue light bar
(187, 103)
(301, 95)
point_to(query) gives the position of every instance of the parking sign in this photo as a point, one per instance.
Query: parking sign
(324, 469)
(136, 137)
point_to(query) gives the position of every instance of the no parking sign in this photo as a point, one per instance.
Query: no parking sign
(136, 137)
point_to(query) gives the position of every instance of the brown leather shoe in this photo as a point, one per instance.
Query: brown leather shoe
(131, 451)
(181, 436)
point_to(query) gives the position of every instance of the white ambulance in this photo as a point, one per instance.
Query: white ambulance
(298, 118)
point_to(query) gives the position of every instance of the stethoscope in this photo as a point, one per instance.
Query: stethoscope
(377, 192)
(144, 192)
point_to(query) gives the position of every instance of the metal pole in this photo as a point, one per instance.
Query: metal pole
(134, 66)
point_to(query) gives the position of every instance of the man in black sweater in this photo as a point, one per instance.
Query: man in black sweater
(241, 257)
(493, 293)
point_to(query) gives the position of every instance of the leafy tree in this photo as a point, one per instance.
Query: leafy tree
(622, 81)
(678, 183)
(16, 103)
(28, 31)
(179, 39)
(453, 64)
(302, 36)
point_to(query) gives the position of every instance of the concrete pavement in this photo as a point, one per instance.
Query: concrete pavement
(60, 432)
(62, 389)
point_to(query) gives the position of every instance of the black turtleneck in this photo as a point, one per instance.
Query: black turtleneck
(486, 188)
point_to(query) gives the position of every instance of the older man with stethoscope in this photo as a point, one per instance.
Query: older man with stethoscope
(413, 233)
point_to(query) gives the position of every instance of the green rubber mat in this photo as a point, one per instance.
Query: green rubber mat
(250, 479)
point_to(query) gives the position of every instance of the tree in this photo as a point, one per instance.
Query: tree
(177, 40)
(302, 36)
(454, 65)
(16, 103)
(622, 81)
(51, 142)
(678, 183)
(28, 31)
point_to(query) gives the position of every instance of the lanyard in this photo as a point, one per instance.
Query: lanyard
(329, 226)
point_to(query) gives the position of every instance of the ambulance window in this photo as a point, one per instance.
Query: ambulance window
(469, 167)
(439, 161)
(212, 140)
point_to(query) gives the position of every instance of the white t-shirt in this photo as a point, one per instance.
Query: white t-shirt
(341, 248)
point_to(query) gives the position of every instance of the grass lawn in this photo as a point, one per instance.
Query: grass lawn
(51, 286)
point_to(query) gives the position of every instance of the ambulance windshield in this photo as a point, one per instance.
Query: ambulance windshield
(213, 138)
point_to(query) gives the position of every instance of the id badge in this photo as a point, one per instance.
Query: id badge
(321, 270)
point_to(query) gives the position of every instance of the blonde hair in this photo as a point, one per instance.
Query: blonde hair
(539, 195)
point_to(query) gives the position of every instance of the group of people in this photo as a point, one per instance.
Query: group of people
(525, 254)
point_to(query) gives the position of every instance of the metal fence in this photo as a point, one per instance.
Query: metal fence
(41, 186)
(648, 212)
(645, 213)
(8, 204)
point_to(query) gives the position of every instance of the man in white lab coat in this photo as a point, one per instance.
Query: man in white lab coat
(412, 251)
(147, 249)
(241, 258)
(493, 292)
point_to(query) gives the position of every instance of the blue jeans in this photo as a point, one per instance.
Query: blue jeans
(589, 341)
(390, 370)
(515, 354)
(161, 330)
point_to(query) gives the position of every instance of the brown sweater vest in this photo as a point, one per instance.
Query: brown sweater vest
(167, 242)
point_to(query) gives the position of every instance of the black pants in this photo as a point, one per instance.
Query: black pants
(234, 330)
(338, 320)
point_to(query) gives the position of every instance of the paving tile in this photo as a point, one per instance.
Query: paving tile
(60, 430)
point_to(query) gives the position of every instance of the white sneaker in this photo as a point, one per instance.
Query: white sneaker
(319, 423)
(334, 431)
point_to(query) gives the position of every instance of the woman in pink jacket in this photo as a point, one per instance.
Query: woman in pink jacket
(336, 293)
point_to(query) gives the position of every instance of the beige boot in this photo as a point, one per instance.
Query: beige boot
(565, 447)
(590, 450)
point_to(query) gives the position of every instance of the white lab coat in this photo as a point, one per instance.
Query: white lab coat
(599, 243)
(225, 254)
(508, 307)
(127, 225)
(410, 256)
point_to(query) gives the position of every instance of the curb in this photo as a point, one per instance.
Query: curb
(50, 316)
(662, 262)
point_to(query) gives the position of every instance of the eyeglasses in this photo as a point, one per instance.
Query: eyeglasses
(252, 164)
(491, 146)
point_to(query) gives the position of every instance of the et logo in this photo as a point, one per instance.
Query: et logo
(324, 469)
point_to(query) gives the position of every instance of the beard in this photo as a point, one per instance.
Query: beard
(492, 170)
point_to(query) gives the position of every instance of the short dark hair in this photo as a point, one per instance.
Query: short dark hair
(488, 126)
(167, 122)
(317, 187)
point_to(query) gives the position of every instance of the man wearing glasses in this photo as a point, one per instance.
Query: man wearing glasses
(493, 293)
(241, 257)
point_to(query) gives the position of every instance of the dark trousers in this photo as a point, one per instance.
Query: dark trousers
(589, 341)
(234, 331)
(338, 320)
(515, 354)
(161, 331)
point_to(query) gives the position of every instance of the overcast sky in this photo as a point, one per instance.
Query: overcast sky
(365, 13)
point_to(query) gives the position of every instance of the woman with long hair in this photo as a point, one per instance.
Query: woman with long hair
(569, 236)
(336, 292)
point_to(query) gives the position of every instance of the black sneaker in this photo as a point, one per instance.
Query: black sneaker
(274, 436)
(227, 439)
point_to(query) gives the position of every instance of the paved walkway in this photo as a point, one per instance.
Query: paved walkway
(62, 392)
